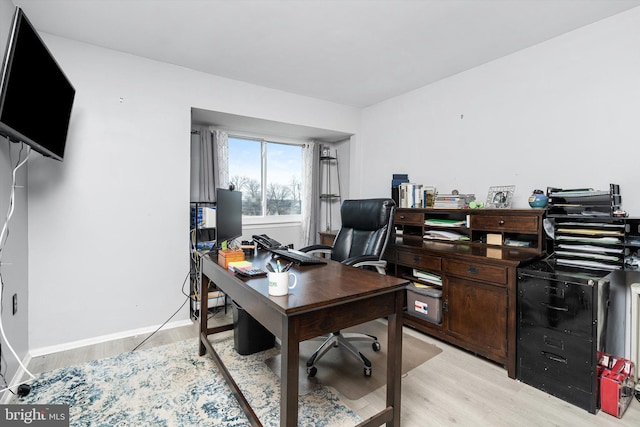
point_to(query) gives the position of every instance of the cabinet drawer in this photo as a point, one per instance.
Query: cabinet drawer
(414, 218)
(418, 260)
(556, 358)
(489, 273)
(556, 304)
(517, 224)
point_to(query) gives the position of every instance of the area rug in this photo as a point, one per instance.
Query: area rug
(340, 370)
(173, 386)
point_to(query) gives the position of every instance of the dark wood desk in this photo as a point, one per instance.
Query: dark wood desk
(327, 298)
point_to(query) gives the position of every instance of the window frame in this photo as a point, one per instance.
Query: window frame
(269, 219)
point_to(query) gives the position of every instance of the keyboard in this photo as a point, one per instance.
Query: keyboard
(298, 258)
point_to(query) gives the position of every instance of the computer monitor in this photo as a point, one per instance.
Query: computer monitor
(228, 215)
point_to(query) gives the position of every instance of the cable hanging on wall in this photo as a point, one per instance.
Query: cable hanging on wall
(3, 235)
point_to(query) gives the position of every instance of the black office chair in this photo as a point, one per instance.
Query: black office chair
(367, 226)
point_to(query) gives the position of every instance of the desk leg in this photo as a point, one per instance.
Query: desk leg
(290, 355)
(394, 360)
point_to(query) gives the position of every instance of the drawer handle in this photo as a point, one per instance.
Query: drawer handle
(553, 342)
(472, 270)
(553, 307)
(501, 222)
(401, 216)
(554, 357)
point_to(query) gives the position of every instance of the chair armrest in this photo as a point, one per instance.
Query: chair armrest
(317, 249)
(367, 261)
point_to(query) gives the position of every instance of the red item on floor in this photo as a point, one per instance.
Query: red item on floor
(616, 384)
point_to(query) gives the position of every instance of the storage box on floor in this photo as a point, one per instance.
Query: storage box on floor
(616, 383)
(425, 302)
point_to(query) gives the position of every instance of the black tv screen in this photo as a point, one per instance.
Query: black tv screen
(228, 215)
(35, 95)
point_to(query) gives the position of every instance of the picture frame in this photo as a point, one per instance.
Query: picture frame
(500, 197)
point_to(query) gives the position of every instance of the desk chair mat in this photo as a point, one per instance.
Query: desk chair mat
(338, 369)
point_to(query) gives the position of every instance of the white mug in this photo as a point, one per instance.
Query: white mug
(279, 283)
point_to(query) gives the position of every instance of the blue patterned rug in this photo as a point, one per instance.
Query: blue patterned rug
(173, 386)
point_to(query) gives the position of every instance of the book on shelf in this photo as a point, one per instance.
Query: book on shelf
(410, 195)
(399, 178)
(414, 195)
(453, 201)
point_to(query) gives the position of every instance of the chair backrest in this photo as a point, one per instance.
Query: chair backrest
(367, 226)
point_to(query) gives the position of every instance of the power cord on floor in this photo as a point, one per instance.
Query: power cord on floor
(171, 317)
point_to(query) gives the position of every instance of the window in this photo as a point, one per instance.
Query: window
(269, 174)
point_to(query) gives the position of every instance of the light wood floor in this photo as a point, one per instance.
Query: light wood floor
(453, 388)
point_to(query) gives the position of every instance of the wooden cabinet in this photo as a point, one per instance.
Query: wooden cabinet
(477, 276)
(477, 316)
(327, 237)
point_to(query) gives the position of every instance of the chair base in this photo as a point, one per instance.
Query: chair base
(336, 339)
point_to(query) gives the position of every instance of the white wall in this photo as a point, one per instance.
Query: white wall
(564, 113)
(109, 227)
(14, 267)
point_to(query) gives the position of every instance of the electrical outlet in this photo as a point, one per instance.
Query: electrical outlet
(15, 304)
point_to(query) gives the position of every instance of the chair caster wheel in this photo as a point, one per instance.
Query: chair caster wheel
(312, 371)
(367, 372)
(376, 346)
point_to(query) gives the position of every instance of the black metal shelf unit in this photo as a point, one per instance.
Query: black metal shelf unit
(202, 236)
(329, 183)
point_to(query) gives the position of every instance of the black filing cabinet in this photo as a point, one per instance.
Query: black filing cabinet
(562, 319)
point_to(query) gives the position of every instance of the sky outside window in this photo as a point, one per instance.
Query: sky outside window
(283, 186)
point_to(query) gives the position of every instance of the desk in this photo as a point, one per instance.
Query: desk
(327, 298)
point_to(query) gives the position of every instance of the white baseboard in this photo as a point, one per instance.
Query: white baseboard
(42, 351)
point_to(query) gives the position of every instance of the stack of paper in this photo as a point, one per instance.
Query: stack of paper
(239, 265)
(444, 235)
(427, 277)
(436, 222)
(588, 264)
(601, 240)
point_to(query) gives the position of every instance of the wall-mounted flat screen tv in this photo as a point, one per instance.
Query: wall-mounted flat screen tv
(35, 95)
